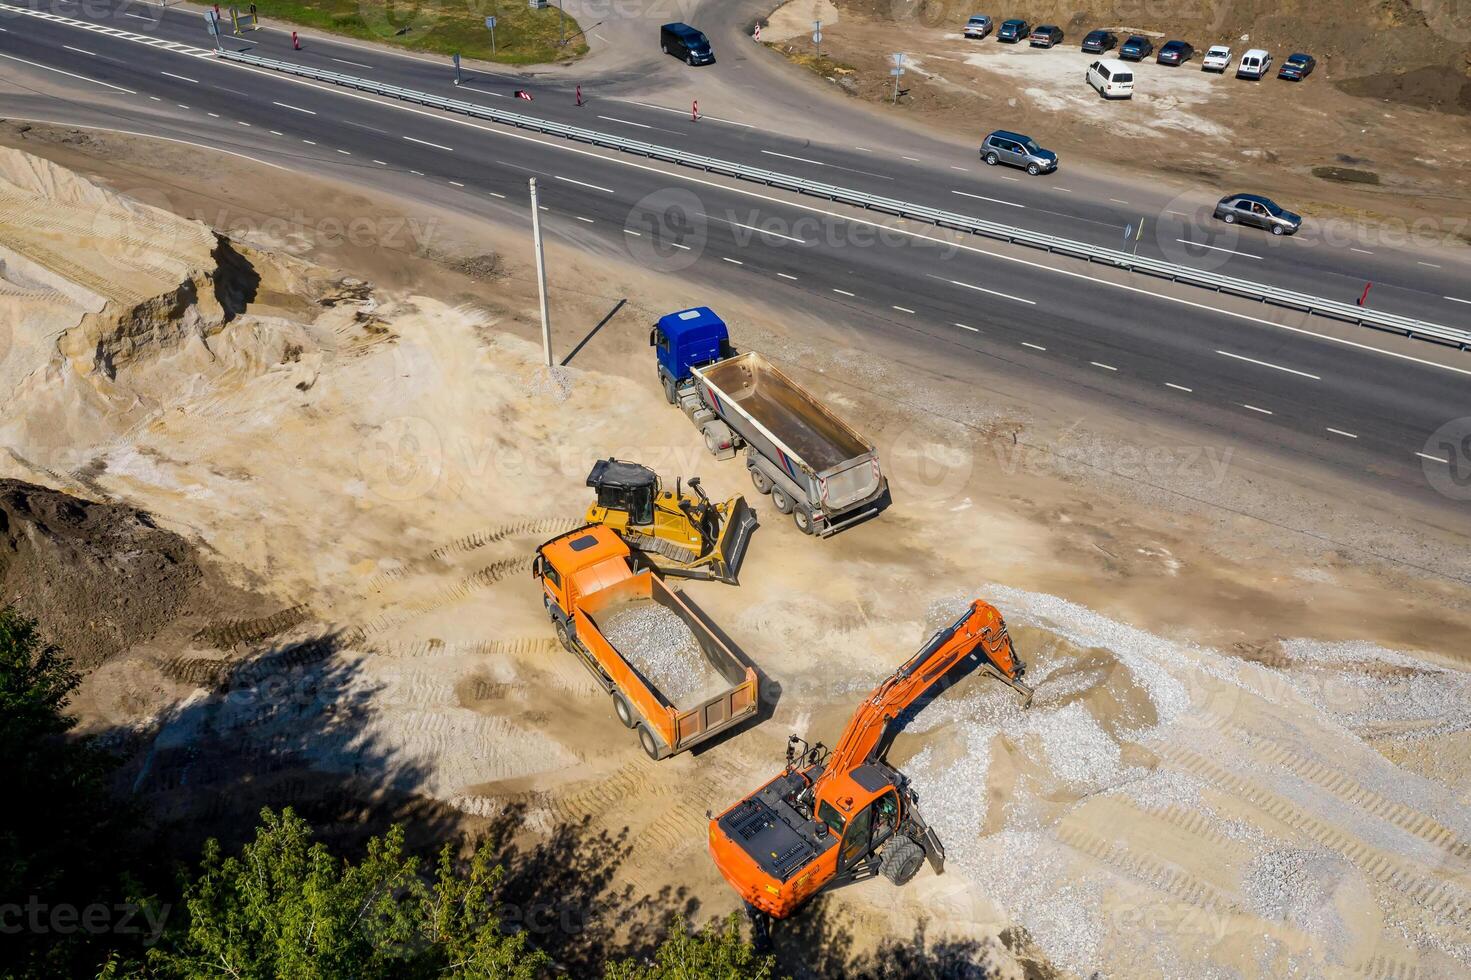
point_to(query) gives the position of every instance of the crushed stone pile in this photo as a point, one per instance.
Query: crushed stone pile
(661, 647)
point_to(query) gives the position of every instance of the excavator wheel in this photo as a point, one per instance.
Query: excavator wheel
(901, 859)
(623, 711)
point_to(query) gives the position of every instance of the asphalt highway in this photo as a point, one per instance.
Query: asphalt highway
(1324, 259)
(1351, 399)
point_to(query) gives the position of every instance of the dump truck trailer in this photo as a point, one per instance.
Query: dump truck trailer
(811, 462)
(588, 581)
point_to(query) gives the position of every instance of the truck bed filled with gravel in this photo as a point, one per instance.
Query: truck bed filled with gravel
(656, 641)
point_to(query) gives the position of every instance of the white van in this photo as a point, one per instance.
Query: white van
(1113, 79)
(1254, 64)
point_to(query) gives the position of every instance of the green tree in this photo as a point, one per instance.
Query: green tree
(286, 907)
(61, 836)
(716, 952)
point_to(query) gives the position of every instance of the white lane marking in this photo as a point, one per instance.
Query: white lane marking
(1180, 213)
(677, 245)
(214, 115)
(732, 261)
(605, 190)
(344, 153)
(437, 146)
(912, 159)
(1430, 264)
(357, 64)
(783, 275)
(1217, 248)
(80, 50)
(457, 183)
(1171, 384)
(635, 234)
(1363, 251)
(245, 124)
(37, 64)
(502, 196)
(129, 13)
(182, 78)
(309, 142)
(295, 108)
(993, 200)
(1340, 432)
(275, 133)
(903, 309)
(1437, 459)
(155, 98)
(843, 292)
(1255, 409)
(1457, 299)
(420, 173)
(1117, 201)
(970, 328)
(1100, 364)
(684, 112)
(983, 289)
(183, 106)
(762, 231)
(690, 178)
(380, 163)
(1032, 345)
(862, 149)
(964, 170)
(1269, 364)
(1063, 189)
(577, 216)
(626, 122)
(169, 139)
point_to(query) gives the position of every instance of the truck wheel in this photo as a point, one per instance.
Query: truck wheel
(803, 518)
(670, 395)
(780, 499)
(623, 711)
(760, 481)
(649, 742)
(563, 637)
(901, 860)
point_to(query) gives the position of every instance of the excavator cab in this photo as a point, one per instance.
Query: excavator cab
(678, 533)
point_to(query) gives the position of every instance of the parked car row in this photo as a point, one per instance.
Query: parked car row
(1255, 64)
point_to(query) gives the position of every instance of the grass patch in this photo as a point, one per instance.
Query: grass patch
(522, 36)
(1346, 175)
(824, 67)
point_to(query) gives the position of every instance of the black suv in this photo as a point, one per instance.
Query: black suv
(1175, 53)
(1098, 42)
(1136, 48)
(1013, 31)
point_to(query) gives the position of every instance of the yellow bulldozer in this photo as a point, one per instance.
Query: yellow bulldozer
(676, 532)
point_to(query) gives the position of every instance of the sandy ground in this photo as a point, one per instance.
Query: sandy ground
(1183, 122)
(1246, 755)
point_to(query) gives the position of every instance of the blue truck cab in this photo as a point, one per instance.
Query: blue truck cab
(689, 338)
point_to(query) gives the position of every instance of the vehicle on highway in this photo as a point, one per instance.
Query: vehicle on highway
(1297, 67)
(1259, 212)
(1046, 36)
(1013, 31)
(1098, 42)
(686, 43)
(1136, 48)
(978, 26)
(1217, 59)
(1254, 64)
(1018, 151)
(1112, 78)
(1175, 53)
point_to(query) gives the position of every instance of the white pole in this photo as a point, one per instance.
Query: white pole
(541, 275)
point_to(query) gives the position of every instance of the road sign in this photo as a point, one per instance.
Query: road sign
(817, 37)
(896, 71)
(490, 23)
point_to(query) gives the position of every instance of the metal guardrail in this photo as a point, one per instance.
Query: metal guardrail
(1348, 312)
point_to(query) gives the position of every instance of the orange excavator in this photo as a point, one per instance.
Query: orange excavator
(838, 816)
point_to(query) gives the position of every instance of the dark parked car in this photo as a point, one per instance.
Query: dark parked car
(1013, 31)
(1258, 211)
(686, 43)
(1019, 151)
(1175, 53)
(1046, 36)
(1098, 42)
(1297, 67)
(1136, 48)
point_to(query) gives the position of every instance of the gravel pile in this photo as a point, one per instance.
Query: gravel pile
(661, 647)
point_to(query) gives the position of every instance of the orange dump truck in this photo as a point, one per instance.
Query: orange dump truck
(589, 580)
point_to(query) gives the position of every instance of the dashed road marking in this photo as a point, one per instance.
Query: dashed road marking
(967, 327)
(182, 78)
(1100, 364)
(983, 289)
(37, 64)
(581, 218)
(842, 292)
(295, 108)
(437, 146)
(1457, 299)
(80, 50)
(903, 309)
(1171, 384)
(355, 64)
(1269, 364)
(626, 122)
(993, 200)
(783, 275)
(569, 180)
(1430, 265)
(731, 261)
(1255, 409)
(1340, 432)
(1436, 459)
(1026, 343)
(1217, 248)
(457, 183)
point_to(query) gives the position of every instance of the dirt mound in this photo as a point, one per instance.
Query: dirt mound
(1437, 87)
(99, 577)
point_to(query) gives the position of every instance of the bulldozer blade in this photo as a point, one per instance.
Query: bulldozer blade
(735, 537)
